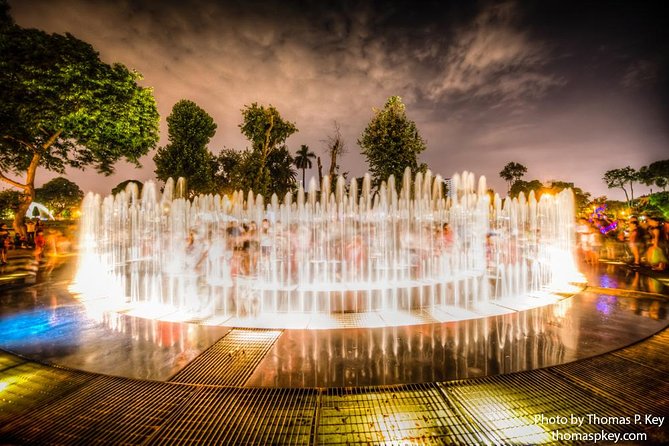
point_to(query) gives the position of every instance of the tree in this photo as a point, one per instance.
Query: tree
(656, 174)
(391, 142)
(189, 130)
(621, 178)
(525, 187)
(124, 184)
(303, 161)
(238, 170)
(228, 173)
(60, 195)
(61, 106)
(267, 131)
(336, 148)
(581, 198)
(512, 173)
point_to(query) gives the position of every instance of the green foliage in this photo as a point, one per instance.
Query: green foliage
(655, 174)
(10, 200)
(60, 106)
(229, 175)
(303, 160)
(267, 132)
(186, 155)
(621, 178)
(60, 195)
(239, 171)
(655, 204)
(512, 173)
(59, 100)
(526, 187)
(391, 143)
(581, 198)
(123, 184)
(265, 128)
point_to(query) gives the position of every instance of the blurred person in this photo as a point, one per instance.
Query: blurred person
(4, 240)
(655, 255)
(635, 242)
(30, 230)
(40, 244)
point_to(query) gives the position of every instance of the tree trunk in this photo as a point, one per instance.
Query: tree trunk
(303, 170)
(28, 197)
(627, 197)
(320, 171)
(29, 186)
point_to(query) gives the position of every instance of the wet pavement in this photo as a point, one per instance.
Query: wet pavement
(46, 323)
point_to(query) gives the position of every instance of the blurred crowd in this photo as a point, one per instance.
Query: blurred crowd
(48, 243)
(640, 241)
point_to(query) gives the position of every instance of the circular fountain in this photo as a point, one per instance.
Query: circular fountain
(342, 251)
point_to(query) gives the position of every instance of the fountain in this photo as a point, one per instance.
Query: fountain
(325, 251)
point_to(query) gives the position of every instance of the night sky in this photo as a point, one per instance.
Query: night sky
(570, 89)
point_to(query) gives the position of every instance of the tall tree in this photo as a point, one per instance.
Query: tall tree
(336, 148)
(189, 129)
(61, 106)
(303, 161)
(60, 195)
(622, 178)
(391, 143)
(655, 174)
(512, 172)
(238, 170)
(267, 131)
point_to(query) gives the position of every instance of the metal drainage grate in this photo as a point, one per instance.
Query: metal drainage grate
(216, 415)
(414, 414)
(508, 408)
(105, 411)
(8, 360)
(653, 352)
(230, 361)
(28, 386)
(624, 382)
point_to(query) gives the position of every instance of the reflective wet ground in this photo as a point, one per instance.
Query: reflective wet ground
(44, 322)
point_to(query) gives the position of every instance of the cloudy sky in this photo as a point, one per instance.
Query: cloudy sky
(570, 89)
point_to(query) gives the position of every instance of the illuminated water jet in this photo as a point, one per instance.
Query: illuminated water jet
(325, 252)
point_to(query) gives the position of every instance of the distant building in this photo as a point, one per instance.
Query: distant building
(448, 184)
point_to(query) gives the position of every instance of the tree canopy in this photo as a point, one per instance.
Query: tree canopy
(622, 178)
(60, 195)
(512, 173)
(189, 130)
(61, 106)
(238, 170)
(124, 184)
(391, 143)
(655, 174)
(10, 200)
(267, 131)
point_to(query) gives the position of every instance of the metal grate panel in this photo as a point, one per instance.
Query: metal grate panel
(8, 360)
(242, 416)
(28, 386)
(622, 381)
(415, 414)
(230, 361)
(105, 411)
(506, 407)
(653, 352)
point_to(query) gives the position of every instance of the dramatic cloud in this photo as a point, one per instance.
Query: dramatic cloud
(487, 83)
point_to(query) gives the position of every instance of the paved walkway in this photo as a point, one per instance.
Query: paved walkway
(602, 398)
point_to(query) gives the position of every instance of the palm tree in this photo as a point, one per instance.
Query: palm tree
(303, 160)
